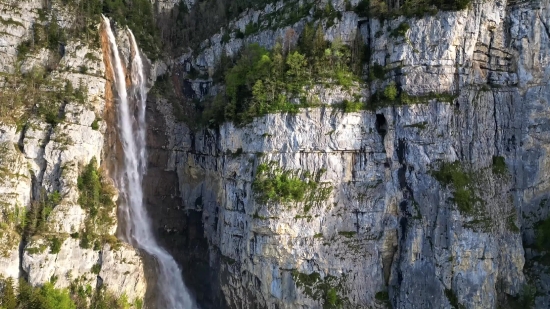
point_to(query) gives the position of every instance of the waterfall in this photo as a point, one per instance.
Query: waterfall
(172, 292)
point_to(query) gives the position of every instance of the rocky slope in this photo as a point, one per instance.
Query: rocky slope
(394, 227)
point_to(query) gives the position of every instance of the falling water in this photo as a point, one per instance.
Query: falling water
(172, 291)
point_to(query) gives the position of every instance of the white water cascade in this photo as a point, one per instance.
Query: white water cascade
(172, 292)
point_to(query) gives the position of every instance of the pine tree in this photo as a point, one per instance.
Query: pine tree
(8, 295)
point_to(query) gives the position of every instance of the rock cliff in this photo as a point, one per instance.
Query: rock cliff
(394, 227)
(48, 235)
(433, 200)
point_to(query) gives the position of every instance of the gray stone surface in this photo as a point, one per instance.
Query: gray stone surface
(408, 236)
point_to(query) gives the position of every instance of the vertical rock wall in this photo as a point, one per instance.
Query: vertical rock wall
(389, 231)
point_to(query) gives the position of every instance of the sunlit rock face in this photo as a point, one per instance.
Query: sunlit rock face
(41, 157)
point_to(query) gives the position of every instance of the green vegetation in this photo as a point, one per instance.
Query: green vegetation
(275, 185)
(376, 72)
(351, 107)
(262, 82)
(463, 183)
(190, 27)
(328, 290)
(419, 125)
(526, 297)
(36, 93)
(390, 92)
(48, 297)
(47, 34)
(511, 222)
(96, 269)
(385, 9)
(451, 296)
(542, 233)
(441, 97)
(383, 297)
(347, 234)
(391, 95)
(95, 124)
(45, 297)
(136, 14)
(37, 216)
(9, 299)
(499, 166)
(96, 198)
(55, 245)
(400, 31)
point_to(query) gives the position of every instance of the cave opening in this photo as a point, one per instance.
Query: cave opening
(381, 125)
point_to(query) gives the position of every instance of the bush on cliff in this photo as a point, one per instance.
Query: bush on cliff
(261, 82)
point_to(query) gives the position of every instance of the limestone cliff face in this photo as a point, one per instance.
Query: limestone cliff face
(388, 224)
(41, 158)
(385, 223)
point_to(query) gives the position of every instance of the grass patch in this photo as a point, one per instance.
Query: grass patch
(454, 175)
(328, 290)
(55, 245)
(273, 184)
(499, 166)
(347, 234)
(401, 30)
(419, 125)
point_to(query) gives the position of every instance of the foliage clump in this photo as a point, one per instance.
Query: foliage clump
(329, 289)
(49, 297)
(96, 198)
(37, 216)
(542, 233)
(400, 31)
(462, 182)
(390, 92)
(385, 9)
(261, 82)
(276, 185)
(44, 297)
(383, 297)
(499, 166)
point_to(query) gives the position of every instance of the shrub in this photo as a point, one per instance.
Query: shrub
(55, 245)
(262, 82)
(95, 125)
(401, 30)
(8, 299)
(274, 184)
(542, 232)
(351, 107)
(331, 299)
(279, 185)
(226, 37)
(499, 166)
(382, 296)
(377, 71)
(96, 269)
(45, 297)
(96, 198)
(390, 92)
(453, 174)
(251, 28)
